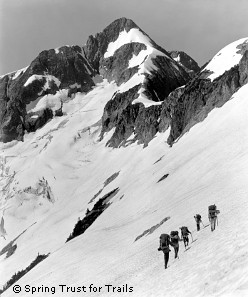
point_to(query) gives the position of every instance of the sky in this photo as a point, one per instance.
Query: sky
(198, 27)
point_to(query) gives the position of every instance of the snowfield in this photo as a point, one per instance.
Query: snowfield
(66, 159)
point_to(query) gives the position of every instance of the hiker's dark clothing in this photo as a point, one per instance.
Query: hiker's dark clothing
(213, 223)
(166, 258)
(212, 219)
(166, 250)
(186, 240)
(176, 249)
(184, 235)
(175, 242)
(212, 216)
(198, 221)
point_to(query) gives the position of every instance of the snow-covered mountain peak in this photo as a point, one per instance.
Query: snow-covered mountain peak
(133, 35)
(226, 58)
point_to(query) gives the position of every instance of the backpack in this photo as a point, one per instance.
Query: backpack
(212, 210)
(164, 242)
(174, 237)
(212, 207)
(198, 217)
(184, 231)
(174, 233)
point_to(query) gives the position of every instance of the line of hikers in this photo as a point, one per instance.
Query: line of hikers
(173, 239)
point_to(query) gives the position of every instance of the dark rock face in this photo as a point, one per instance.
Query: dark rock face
(116, 67)
(243, 69)
(53, 71)
(186, 61)
(168, 106)
(128, 118)
(74, 68)
(68, 66)
(96, 47)
(165, 79)
(125, 125)
(147, 123)
(200, 96)
(115, 107)
(119, 113)
(34, 121)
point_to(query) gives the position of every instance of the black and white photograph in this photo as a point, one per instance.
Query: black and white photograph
(124, 148)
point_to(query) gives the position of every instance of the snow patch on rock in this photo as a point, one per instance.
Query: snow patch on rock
(40, 77)
(225, 59)
(18, 72)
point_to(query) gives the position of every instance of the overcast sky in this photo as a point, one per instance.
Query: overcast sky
(198, 27)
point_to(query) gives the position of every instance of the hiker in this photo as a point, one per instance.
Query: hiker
(184, 235)
(198, 221)
(164, 243)
(175, 242)
(212, 216)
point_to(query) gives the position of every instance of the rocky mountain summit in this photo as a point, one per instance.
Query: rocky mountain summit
(52, 71)
(212, 88)
(121, 52)
(156, 89)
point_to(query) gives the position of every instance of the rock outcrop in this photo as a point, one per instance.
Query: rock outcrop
(123, 53)
(189, 64)
(116, 67)
(52, 70)
(154, 75)
(175, 106)
(97, 45)
(201, 95)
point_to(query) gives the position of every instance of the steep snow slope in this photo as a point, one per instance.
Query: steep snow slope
(226, 58)
(65, 159)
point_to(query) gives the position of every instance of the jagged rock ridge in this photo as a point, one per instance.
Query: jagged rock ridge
(151, 74)
(201, 94)
(58, 73)
(52, 71)
(156, 89)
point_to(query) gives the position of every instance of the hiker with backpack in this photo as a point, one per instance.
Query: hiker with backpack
(212, 216)
(184, 235)
(175, 242)
(164, 242)
(198, 221)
